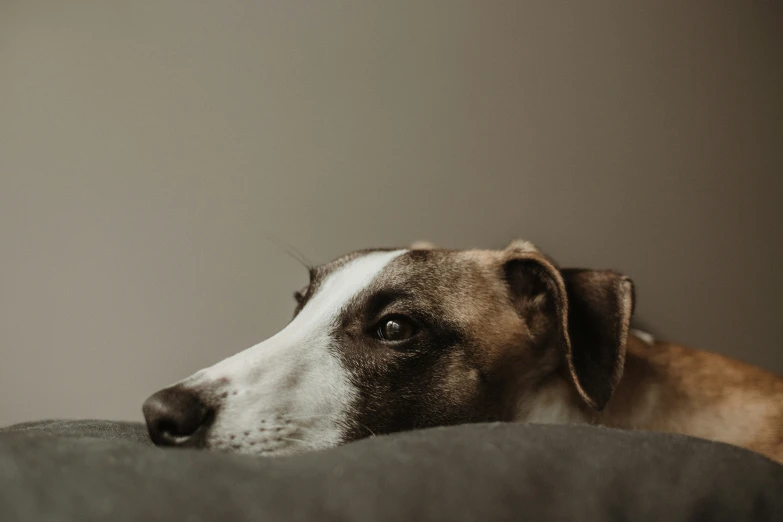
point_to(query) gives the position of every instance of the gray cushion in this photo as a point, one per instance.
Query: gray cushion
(93, 470)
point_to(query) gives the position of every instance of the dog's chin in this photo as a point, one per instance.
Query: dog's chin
(262, 446)
(270, 437)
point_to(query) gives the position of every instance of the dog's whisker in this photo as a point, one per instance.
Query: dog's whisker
(295, 427)
(372, 433)
(309, 444)
(307, 417)
(284, 417)
(291, 251)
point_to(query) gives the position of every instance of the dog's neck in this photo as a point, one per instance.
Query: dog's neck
(553, 403)
(662, 390)
(634, 405)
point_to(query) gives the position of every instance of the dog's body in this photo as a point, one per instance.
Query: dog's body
(671, 388)
(391, 340)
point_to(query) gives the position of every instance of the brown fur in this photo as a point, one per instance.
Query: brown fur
(510, 366)
(667, 387)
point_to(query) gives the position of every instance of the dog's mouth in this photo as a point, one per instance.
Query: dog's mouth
(277, 434)
(178, 418)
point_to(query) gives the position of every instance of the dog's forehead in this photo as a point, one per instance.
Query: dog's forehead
(433, 268)
(319, 274)
(459, 270)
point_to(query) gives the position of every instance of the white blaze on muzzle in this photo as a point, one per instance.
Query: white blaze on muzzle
(290, 393)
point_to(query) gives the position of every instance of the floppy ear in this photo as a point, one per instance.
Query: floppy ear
(586, 312)
(600, 306)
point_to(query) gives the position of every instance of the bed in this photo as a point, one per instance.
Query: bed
(102, 470)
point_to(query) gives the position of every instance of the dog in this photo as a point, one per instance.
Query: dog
(388, 340)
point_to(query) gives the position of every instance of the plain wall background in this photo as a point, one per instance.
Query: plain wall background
(147, 148)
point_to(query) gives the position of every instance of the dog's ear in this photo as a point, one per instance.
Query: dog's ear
(600, 306)
(422, 245)
(522, 245)
(586, 313)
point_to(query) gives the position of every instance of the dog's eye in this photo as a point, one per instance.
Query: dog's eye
(396, 328)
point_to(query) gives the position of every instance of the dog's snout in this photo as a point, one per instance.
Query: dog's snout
(176, 416)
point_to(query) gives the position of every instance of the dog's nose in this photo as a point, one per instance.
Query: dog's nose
(176, 416)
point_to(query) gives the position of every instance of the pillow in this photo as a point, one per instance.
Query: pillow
(99, 470)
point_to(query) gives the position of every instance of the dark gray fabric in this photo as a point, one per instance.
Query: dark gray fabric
(108, 430)
(91, 470)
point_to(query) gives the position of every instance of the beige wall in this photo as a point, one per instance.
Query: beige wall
(147, 148)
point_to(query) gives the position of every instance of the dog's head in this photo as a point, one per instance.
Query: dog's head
(391, 340)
